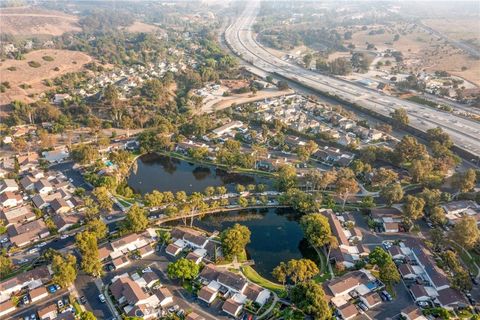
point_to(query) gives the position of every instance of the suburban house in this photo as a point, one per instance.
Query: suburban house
(30, 279)
(132, 299)
(60, 206)
(390, 218)
(6, 307)
(49, 312)
(43, 186)
(38, 294)
(457, 209)
(9, 199)
(8, 185)
(194, 316)
(371, 299)
(348, 252)
(348, 311)
(28, 183)
(413, 313)
(28, 162)
(17, 215)
(219, 281)
(21, 235)
(63, 221)
(338, 290)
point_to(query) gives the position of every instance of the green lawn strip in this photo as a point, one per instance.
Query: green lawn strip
(469, 262)
(253, 276)
(321, 278)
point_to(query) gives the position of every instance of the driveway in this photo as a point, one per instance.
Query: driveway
(86, 287)
(76, 177)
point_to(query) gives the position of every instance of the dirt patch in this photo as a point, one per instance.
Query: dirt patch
(421, 51)
(138, 26)
(457, 29)
(226, 102)
(20, 73)
(33, 21)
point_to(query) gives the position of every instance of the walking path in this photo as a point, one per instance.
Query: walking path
(267, 312)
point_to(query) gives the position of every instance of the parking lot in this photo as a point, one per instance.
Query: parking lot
(28, 310)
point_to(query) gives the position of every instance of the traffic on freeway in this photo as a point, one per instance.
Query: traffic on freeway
(464, 132)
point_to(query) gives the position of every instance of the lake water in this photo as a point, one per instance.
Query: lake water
(276, 235)
(157, 172)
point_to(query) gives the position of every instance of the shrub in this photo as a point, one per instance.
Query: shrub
(48, 58)
(34, 64)
(11, 68)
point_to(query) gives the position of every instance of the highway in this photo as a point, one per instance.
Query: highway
(464, 132)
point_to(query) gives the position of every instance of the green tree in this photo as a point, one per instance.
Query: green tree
(432, 197)
(301, 270)
(466, 233)
(280, 273)
(86, 243)
(98, 227)
(409, 149)
(464, 181)
(400, 117)
(389, 273)
(87, 315)
(6, 266)
(64, 269)
(413, 207)
(346, 184)
(136, 219)
(183, 269)
(392, 193)
(379, 256)
(437, 215)
(103, 196)
(316, 229)
(84, 153)
(234, 240)
(240, 188)
(286, 178)
(243, 202)
(310, 298)
(383, 177)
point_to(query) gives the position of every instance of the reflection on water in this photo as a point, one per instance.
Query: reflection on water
(276, 235)
(156, 172)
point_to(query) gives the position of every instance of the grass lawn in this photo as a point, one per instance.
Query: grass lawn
(469, 262)
(253, 276)
(320, 278)
(124, 203)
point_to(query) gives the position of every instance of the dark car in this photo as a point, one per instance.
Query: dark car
(83, 300)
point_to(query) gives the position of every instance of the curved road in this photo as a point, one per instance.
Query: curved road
(464, 132)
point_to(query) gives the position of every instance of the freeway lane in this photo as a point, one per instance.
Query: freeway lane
(464, 132)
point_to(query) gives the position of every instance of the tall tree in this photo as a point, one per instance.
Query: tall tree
(466, 233)
(346, 184)
(413, 207)
(286, 178)
(301, 270)
(316, 229)
(64, 269)
(97, 227)
(86, 243)
(400, 117)
(183, 269)
(464, 181)
(234, 240)
(392, 193)
(103, 196)
(136, 220)
(310, 298)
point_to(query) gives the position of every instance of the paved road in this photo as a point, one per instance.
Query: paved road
(86, 286)
(240, 37)
(76, 176)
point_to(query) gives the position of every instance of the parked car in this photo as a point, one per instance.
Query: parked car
(25, 300)
(362, 306)
(60, 304)
(386, 295)
(102, 298)
(423, 304)
(83, 300)
(52, 288)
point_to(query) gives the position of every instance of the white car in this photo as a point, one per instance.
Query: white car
(147, 269)
(22, 261)
(43, 244)
(102, 298)
(60, 304)
(33, 250)
(64, 236)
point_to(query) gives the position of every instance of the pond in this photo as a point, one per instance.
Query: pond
(276, 235)
(162, 173)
